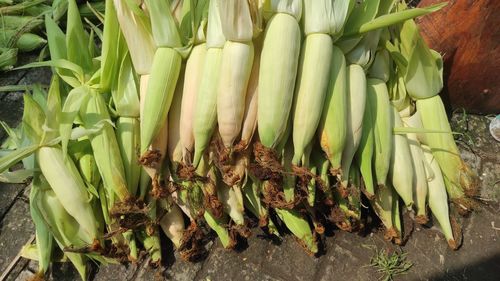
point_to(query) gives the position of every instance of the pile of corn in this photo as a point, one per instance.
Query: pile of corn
(198, 115)
(21, 26)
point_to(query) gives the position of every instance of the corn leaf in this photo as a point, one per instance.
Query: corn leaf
(18, 176)
(56, 39)
(76, 39)
(393, 18)
(76, 99)
(15, 156)
(33, 119)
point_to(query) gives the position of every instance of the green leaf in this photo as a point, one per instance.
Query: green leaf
(15, 156)
(423, 78)
(363, 13)
(164, 27)
(53, 111)
(70, 72)
(77, 98)
(56, 39)
(18, 176)
(77, 39)
(33, 119)
(393, 18)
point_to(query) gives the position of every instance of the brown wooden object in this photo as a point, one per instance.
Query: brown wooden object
(467, 33)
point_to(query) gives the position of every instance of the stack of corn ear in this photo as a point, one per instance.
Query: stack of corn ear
(217, 113)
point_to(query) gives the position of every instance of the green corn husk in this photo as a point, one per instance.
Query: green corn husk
(8, 58)
(364, 154)
(277, 74)
(299, 226)
(382, 132)
(44, 239)
(437, 197)
(420, 187)
(63, 227)
(332, 129)
(460, 180)
(218, 225)
(105, 147)
(401, 171)
(356, 102)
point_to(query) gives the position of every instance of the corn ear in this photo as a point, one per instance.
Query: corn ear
(364, 154)
(64, 178)
(420, 187)
(105, 146)
(236, 66)
(277, 74)
(312, 84)
(164, 74)
(332, 128)
(192, 80)
(356, 101)
(205, 116)
(458, 177)
(382, 132)
(401, 171)
(44, 238)
(438, 199)
(128, 139)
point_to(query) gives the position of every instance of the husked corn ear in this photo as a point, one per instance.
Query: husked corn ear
(401, 171)
(278, 70)
(458, 177)
(332, 126)
(437, 197)
(356, 101)
(67, 184)
(192, 81)
(312, 84)
(236, 66)
(382, 132)
(161, 85)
